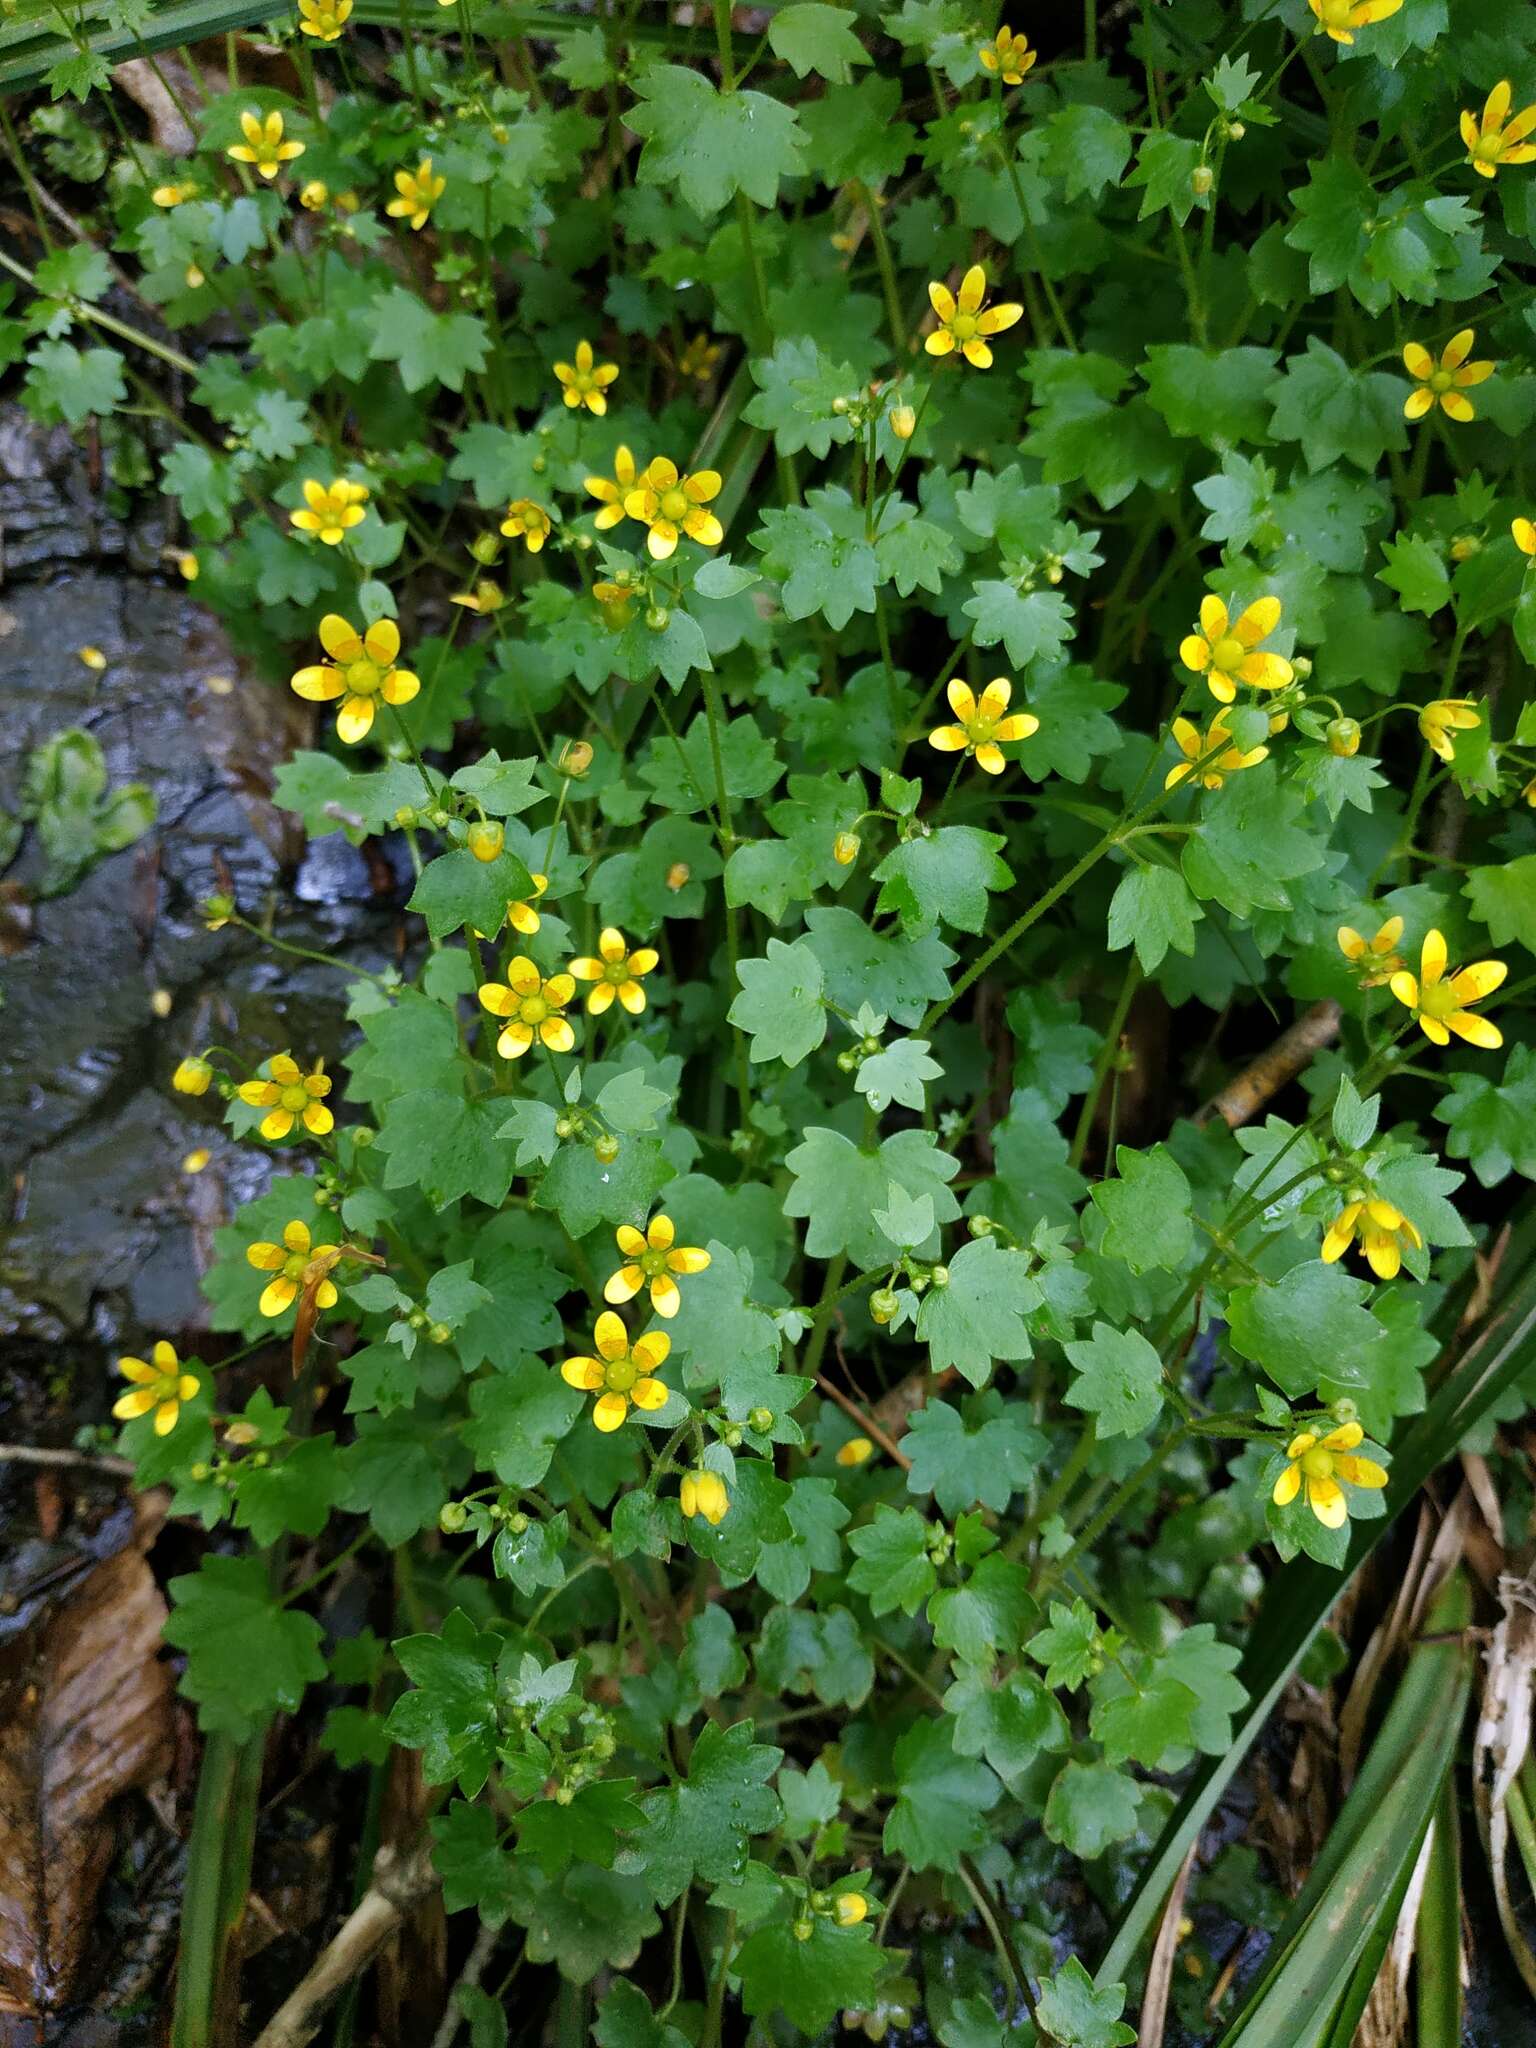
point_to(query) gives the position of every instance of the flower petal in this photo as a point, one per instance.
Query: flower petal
(649, 1394)
(584, 1373)
(1287, 1486)
(611, 1337)
(1474, 1029)
(1470, 984)
(609, 1412)
(1326, 1500)
(1432, 958)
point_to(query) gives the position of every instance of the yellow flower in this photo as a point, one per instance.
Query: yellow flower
(612, 491)
(91, 658)
(361, 669)
(703, 1493)
(159, 1384)
(527, 522)
(1009, 55)
(314, 195)
(981, 728)
(857, 1451)
(1225, 650)
(617, 973)
(1193, 744)
(196, 1160)
(1496, 141)
(1524, 532)
(263, 145)
(419, 191)
(532, 1006)
(585, 380)
(1439, 1002)
(522, 917)
(192, 1076)
(174, 195)
(1340, 18)
(850, 1908)
(964, 320)
(1383, 1230)
(324, 18)
(700, 356)
(1320, 1462)
(1529, 792)
(290, 1096)
(1375, 958)
(1437, 721)
(616, 601)
(330, 510)
(621, 1372)
(670, 504)
(294, 1264)
(652, 1260)
(188, 567)
(486, 597)
(845, 848)
(1445, 381)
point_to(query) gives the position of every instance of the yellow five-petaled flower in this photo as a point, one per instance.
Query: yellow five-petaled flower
(1383, 1230)
(669, 504)
(531, 1005)
(981, 726)
(585, 381)
(965, 320)
(1375, 960)
(1226, 650)
(290, 1096)
(1443, 383)
(324, 19)
(1439, 1001)
(1446, 715)
(1495, 142)
(1194, 745)
(617, 973)
(263, 146)
(703, 1493)
(294, 1264)
(418, 192)
(1008, 55)
(611, 491)
(330, 511)
(621, 1373)
(360, 671)
(1340, 18)
(1319, 1463)
(158, 1383)
(651, 1259)
(528, 522)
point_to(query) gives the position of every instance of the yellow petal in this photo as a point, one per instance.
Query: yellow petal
(652, 1350)
(1474, 1029)
(1326, 1500)
(973, 289)
(610, 1336)
(1481, 978)
(1432, 958)
(277, 1295)
(583, 1373)
(1287, 1486)
(609, 1412)
(665, 1298)
(942, 300)
(649, 1394)
(623, 1285)
(1360, 1471)
(629, 1240)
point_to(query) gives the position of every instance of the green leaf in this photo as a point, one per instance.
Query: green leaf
(1010, 1724)
(1165, 168)
(681, 773)
(899, 1072)
(247, 1655)
(1504, 899)
(698, 1830)
(294, 1494)
(1146, 1210)
(1250, 842)
(1067, 1646)
(987, 1616)
(1034, 625)
(71, 384)
(456, 889)
(430, 348)
(1279, 1325)
(624, 2018)
(780, 1003)
(1153, 909)
(586, 1829)
(1074, 2014)
(834, 1969)
(518, 1419)
(1212, 396)
(893, 1568)
(962, 1465)
(1086, 148)
(450, 1715)
(796, 388)
(1416, 572)
(945, 875)
(818, 555)
(838, 1185)
(812, 37)
(447, 1145)
(1091, 1806)
(1493, 1124)
(978, 1314)
(1119, 1380)
(1334, 410)
(708, 145)
(399, 1471)
(942, 1800)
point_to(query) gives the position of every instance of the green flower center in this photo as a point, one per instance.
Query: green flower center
(1489, 148)
(1438, 999)
(964, 326)
(1336, 13)
(533, 1009)
(1442, 380)
(1227, 652)
(653, 1264)
(980, 730)
(363, 677)
(294, 1264)
(620, 1375)
(292, 1098)
(616, 971)
(674, 504)
(1317, 1463)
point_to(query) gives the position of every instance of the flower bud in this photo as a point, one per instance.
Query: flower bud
(606, 1148)
(363, 1136)
(849, 1908)
(486, 838)
(192, 1077)
(848, 1061)
(452, 1516)
(1236, 130)
(658, 618)
(845, 849)
(199, 1472)
(839, 405)
(883, 1304)
(1343, 736)
(761, 1420)
(1201, 179)
(804, 1929)
(903, 422)
(678, 875)
(1346, 1409)
(981, 1226)
(940, 1276)
(314, 195)
(406, 815)
(437, 816)
(517, 1525)
(188, 567)
(1301, 665)
(486, 548)
(1465, 546)
(438, 1333)
(575, 758)
(564, 1126)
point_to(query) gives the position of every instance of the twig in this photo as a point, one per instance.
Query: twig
(400, 1882)
(866, 1422)
(1246, 1094)
(469, 1976)
(94, 1461)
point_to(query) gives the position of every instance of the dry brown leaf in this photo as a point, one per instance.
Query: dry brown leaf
(85, 1714)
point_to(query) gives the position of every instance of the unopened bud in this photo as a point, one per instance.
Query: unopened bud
(1201, 179)
(406, 815)
(192, 1077)
(658, 618)
(678, 875)
(883, 1304)
(606, 1148)
(1343, 736)
(575, 758)
(981, 1226)
(486, 839)
(761, 1420)
(452, 1516)
(438, 1333)
(903, 422)
(845, 849)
